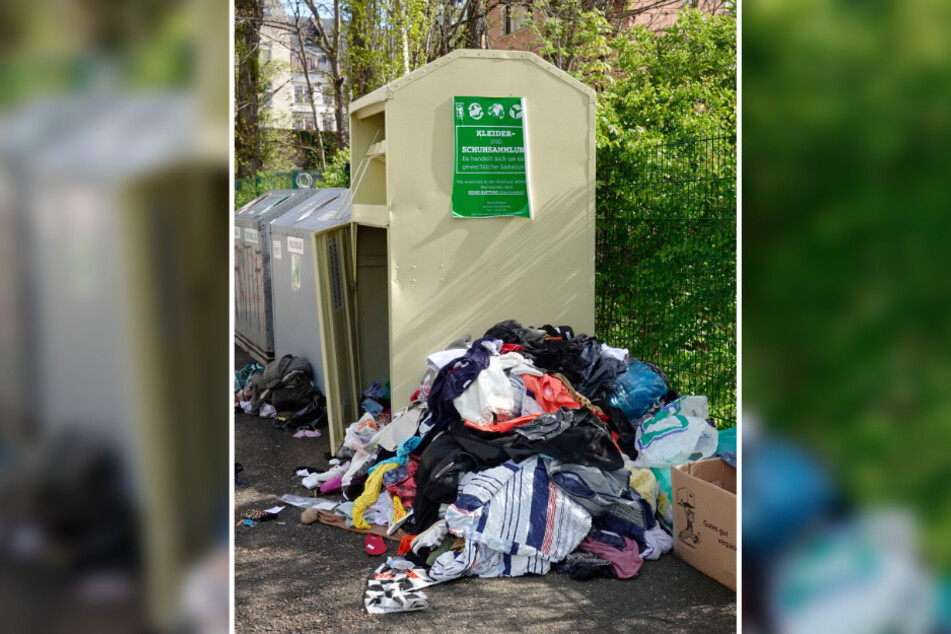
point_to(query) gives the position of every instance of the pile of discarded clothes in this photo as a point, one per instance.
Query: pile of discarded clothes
(526, 450)
(283, 390)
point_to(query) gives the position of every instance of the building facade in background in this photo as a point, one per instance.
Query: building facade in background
(287, 95)
(509, 24)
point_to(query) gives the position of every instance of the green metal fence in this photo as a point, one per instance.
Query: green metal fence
(666, 266)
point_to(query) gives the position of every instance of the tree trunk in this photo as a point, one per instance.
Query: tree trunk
(337, 79)
(475, 25)
(338, 109)
(247, 138)
(404, 37)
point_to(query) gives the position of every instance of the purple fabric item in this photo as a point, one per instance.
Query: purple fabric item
(333, 484)
(607, 537)
(626, 562)
(451, 381)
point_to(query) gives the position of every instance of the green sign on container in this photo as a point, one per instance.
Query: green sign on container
(489, 175)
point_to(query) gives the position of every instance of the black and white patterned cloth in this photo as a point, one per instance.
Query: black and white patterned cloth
(391, 590)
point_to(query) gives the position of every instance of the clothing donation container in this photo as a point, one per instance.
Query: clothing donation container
(473, 202)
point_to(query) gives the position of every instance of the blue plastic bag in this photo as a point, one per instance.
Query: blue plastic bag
(636, 390)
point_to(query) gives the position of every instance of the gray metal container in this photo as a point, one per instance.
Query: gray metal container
(253, 316)
(294, 275)
(24, 133)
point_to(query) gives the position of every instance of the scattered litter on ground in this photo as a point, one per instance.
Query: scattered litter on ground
(303, 502)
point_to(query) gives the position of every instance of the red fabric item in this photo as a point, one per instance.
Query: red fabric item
(406, 545)
(510, 347)
(504, 426)
(550, 393)
(614, 438)
(375, 545)
(414, 396)
(406, 489)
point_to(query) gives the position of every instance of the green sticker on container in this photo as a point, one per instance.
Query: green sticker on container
(490, 173)
(295, 272)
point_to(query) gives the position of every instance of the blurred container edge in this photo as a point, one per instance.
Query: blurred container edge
(114, 337)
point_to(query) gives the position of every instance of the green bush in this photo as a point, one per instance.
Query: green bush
(666, 203)
(248, 190)
(337, 173)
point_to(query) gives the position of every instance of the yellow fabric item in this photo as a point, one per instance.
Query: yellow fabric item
(398, 511)
(645, 483)
(371, 491)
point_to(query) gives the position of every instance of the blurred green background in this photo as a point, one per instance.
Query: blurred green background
(845, 229)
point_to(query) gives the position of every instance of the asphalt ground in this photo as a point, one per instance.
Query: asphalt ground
(295, 578)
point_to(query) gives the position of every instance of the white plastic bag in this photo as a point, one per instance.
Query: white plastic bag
(695, 406)
(676, 435)
(359, 434)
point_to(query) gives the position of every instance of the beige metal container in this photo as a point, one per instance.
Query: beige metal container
(420, 277)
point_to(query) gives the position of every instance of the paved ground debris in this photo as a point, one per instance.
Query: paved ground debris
(296, 578)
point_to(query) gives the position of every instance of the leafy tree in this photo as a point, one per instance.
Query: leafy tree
(260, 146)
(385, 40)
(390, 38)
(571, 33)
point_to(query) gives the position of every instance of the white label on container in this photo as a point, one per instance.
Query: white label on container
(295, 245)
(276, 249)
(251, 235)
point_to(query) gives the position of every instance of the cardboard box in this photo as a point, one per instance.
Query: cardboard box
(704, 497)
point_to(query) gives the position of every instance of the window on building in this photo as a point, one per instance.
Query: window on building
(328, 122)
(312, 63)
(266, 52)
(268, 95)
(513, 17)
(300, 94)
(303, 122)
